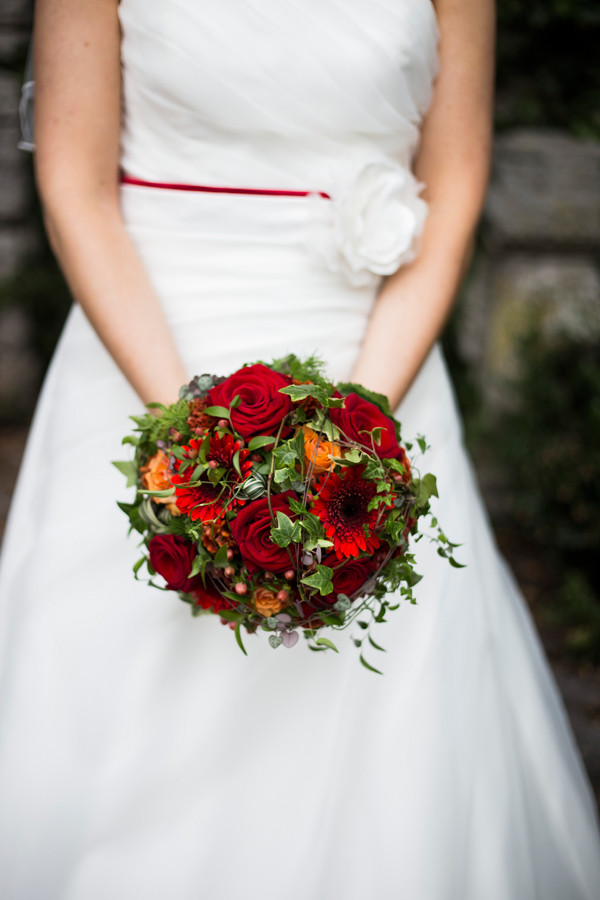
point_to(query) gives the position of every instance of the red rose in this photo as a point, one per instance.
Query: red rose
(172, 557)
(262, 407)
(357, 417)
(251, 530)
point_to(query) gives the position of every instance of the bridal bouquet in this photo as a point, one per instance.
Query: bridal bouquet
(279, 502)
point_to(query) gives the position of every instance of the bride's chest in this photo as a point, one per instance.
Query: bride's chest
(329, 65)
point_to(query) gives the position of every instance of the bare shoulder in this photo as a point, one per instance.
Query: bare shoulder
(77, 69)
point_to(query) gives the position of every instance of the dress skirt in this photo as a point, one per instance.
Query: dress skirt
(141, 754)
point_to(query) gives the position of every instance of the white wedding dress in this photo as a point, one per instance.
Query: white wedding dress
(141, 754)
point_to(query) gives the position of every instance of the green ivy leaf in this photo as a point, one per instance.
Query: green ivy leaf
(353, 456)
(129, 469)
(426, 488)
(286, 455)
(286, 531)
(321, 580)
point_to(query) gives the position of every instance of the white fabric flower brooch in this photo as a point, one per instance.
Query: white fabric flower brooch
(371, 225)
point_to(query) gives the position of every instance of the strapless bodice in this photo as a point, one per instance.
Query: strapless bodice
(272, 93)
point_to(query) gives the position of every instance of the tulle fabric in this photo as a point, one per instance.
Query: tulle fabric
(140, 752)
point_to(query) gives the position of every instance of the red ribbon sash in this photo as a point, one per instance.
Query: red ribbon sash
(212, 189)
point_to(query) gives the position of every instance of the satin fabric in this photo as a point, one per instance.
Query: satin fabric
(141, 753)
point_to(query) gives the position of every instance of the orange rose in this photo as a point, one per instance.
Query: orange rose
(155, 478)
(317, 451)
(266, 602)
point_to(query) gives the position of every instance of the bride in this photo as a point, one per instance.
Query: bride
(224, 181)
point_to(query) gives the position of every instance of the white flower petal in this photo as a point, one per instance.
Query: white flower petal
(373, 224)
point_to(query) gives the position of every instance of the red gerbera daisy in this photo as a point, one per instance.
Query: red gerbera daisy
(341, 505)
(202, 499)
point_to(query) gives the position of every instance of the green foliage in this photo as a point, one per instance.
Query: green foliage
(551, 446)
(321, 580)
(577, 607)
(310, 369)
(546, 69)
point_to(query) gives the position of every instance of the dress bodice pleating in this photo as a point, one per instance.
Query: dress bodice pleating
(273, 93)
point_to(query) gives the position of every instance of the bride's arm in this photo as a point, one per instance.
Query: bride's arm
(453, 160)
(77, 128)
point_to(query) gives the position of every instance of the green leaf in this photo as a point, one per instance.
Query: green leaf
(311, 544)
(137, 566)
(380, 400)
(373, 644)
(168, 492)
(297, 507)
(373, 433)
(260, 440)
(300, 391)
(343, 602)
(369, 666)
(238, 638)
(286, 454)
(427, 487)
(236, 462)
(231, 614)
(353, 456)
(220, 558)
(456, 564)
(219, 412)
(129, 469)
(320, 580)
(325, 642)
(236, 401)
(286, 531)
(284, 476)
(196, 566)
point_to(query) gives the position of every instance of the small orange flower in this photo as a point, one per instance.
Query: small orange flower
(317, 451)
(155, 478)
(266, 602)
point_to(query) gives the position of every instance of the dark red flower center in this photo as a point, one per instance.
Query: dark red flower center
(342, 505)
